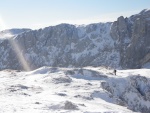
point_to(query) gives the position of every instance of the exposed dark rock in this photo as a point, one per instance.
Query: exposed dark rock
(123, 43)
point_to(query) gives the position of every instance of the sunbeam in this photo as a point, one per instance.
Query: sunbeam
(19, 53)
(16, 47)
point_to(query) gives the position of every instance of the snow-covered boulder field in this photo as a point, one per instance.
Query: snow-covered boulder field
(75, 90)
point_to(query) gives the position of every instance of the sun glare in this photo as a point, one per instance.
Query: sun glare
(19, 53)
(16, 47)
(2, 25)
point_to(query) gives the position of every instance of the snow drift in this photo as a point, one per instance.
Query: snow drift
(75, 90)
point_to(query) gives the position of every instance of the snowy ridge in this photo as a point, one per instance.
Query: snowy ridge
(75, 90)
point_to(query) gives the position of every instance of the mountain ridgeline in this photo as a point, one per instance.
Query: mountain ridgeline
(124, 43)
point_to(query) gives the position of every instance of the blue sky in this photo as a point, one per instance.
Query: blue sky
(42, 13)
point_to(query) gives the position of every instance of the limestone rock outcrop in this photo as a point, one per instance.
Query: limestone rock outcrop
(124, 43)
(133, 36)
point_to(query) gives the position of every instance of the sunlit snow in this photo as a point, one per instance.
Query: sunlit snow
(70, 90)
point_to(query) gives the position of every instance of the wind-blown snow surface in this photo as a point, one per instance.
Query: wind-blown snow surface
(74, 90)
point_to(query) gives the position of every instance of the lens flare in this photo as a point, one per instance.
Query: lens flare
(17, 48)
(19, 53)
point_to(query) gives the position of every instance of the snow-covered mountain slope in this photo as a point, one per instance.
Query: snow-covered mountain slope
(11, 32)
(120, 44)
(64, 46)
(75, 90)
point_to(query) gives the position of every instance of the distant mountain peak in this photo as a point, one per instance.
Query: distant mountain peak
(12, 32)
(145, 11)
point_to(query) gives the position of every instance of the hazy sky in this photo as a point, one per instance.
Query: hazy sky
(42, 13)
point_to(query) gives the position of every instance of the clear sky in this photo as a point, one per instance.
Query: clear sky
(37, 14)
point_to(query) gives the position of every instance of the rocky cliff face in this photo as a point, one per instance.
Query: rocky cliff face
(133, 38)
(123, 43)
(62, 45)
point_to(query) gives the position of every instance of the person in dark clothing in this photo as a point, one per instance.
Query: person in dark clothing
(115, 71)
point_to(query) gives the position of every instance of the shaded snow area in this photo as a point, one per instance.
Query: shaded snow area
(75, 90)
(147, 65)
